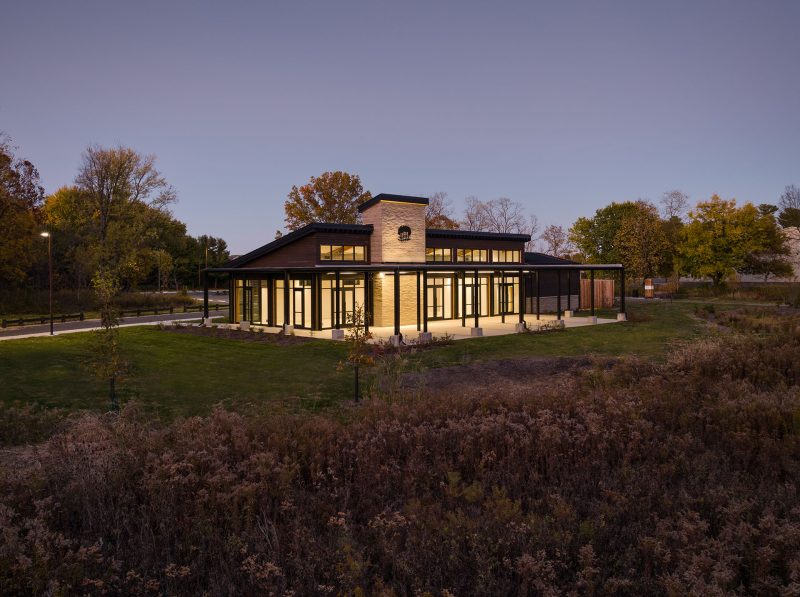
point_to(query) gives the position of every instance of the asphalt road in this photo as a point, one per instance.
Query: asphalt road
(91, 324)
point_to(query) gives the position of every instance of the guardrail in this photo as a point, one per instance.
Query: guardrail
(42, 319)
(165, 310)
(23, 321)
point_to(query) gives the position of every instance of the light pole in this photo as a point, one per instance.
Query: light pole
(50, 272)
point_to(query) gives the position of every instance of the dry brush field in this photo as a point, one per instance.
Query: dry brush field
(589, 476)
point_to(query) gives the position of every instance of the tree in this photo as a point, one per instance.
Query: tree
(595, 238)
(641, 241)
(117, 177)
(790, 208)
(474, 215)
(357, 338)
(556, 241)
(498, 215)
(533, 231)
(719, 238)
(438, 213)
(674, 204)
(106, 361)
(771, 258)
(21, 197)
(330, 197)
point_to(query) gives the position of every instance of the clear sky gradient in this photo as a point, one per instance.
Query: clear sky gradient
(563, 106)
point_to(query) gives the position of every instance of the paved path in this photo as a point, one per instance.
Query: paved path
(32, 331)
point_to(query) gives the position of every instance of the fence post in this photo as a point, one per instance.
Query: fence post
(81, 316)
(5, 323)
(138, 312)
(171, 309)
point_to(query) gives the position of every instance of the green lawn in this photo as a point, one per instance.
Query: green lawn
(180, 374)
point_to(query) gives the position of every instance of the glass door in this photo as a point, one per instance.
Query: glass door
(436, 302)
(506, 298)
(348, 305)
(299, 315)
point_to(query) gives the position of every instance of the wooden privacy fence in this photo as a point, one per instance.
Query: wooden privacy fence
(603, 293)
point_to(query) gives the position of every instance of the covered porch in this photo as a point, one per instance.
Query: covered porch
(416, 302)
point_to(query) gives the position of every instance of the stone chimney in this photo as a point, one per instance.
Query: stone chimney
(398, 228)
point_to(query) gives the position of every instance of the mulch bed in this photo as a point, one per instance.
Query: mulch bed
(217, 332)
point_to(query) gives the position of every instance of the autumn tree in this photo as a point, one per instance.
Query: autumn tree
(556, 241)
(357, 338)
(106, 361)
(438, 213)
(719, 238)
(641, 241)
(596, 237)
(21, 197)
(772, 257)
(114, 178)
(329, 197)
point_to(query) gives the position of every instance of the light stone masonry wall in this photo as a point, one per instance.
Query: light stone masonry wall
(386, 218)
(383, 300)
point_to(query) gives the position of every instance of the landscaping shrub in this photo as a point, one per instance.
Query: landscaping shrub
(628, 478)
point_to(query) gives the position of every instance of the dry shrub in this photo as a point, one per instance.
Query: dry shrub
(631, 478)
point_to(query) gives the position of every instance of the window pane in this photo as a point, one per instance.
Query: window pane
(337, 252)
(361, 253)
(349, 253)
(325, 252)
(430, 254)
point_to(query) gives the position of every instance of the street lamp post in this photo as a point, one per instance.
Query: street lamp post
(50, 274)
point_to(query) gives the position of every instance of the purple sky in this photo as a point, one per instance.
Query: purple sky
(562, 106)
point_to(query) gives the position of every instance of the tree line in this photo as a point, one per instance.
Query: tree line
(714, 240)
(114, 217)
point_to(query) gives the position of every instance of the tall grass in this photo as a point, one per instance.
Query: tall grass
(630, 478)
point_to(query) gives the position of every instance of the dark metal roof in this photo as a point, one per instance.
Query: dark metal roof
(389, 197)
(544, 259)
(475, 235)
(297, 235)
(413, 267)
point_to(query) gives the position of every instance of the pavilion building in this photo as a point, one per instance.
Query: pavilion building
(401, 274)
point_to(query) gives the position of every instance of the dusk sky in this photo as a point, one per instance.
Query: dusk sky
(562, 106)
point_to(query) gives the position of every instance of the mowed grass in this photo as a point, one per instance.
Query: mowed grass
(180, 374)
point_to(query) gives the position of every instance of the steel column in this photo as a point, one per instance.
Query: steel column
(569, 290)
(286, 298)
(397, 302)
(475, 295)
(418, 301)
(463, 299)
(538, 294)
(622, 290)
(338, 301)
(522, 299)
(365, 309)
(425, 301)
(558, 297)
(591, 289)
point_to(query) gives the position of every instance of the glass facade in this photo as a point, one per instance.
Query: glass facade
(472, 255)
(351, 293)
(312, 298)
(435, 254)
(506, 256)
(342, 252)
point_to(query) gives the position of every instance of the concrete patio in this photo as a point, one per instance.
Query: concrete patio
(490, 326)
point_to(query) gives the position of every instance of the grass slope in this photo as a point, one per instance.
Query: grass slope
(177, 374)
